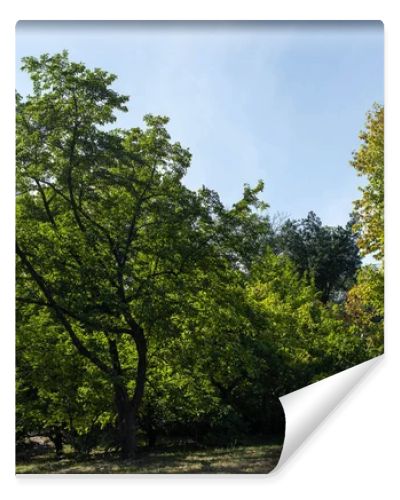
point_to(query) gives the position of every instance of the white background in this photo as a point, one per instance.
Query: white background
(355, 452)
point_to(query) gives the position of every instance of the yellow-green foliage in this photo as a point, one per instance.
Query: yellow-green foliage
(369, 162)
(365, 307)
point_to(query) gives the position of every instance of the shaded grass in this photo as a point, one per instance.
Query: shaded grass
(254, 459)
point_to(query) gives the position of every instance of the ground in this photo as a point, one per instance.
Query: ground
(254, 459)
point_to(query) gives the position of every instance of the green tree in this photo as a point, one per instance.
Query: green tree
(311, 340)
(59, 393)
(328, 254)
(232, 369)
(369, 162)
(109, 240)
(365, 307)
(365, 301)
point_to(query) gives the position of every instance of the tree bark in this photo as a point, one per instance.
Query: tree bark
(128, 408)
(141, 347)
(127, 432)
(58, 442)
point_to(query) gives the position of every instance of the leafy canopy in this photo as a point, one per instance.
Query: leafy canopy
(369, 162)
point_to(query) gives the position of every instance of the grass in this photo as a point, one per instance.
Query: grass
(253, 459)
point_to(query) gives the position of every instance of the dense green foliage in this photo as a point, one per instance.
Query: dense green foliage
(365, 301)
(145, 309)
(369, 162)
(328, 254)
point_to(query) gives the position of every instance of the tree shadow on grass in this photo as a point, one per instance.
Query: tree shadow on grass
(253, 459)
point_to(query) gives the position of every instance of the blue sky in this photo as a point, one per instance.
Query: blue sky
(278, 101)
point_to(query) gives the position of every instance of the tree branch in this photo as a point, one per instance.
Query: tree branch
(60, 314)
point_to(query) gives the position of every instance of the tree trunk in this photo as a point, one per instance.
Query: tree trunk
(58, 442)
(141, 346)
(127, 432)
(128, 408)
(125, 423)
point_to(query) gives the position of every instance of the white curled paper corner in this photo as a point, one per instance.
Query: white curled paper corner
(305, 409)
